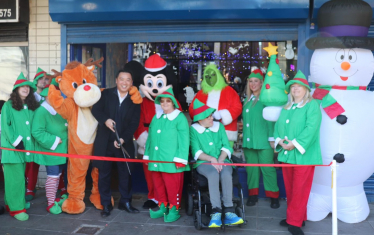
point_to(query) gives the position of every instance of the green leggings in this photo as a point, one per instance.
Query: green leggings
(269, 174)
(14, 178)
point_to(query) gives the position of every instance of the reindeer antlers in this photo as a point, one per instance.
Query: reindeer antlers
(97, 62)
(54, 75)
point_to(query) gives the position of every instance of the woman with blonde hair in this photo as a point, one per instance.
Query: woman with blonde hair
(296, 136)
(258, 143)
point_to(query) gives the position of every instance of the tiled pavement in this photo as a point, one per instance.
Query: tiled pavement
(262, 220)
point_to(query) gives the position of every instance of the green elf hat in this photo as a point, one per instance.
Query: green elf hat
(299, 79)
(39, 74)
(201, 110)
(22, 81)
(167, 94)
(256, 73)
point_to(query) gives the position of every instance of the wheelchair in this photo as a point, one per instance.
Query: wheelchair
(198, 201)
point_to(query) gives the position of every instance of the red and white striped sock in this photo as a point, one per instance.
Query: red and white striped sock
(51, 189)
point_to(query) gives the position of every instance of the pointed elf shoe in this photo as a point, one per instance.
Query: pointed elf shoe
(159, 213)
(273, 89)
(22, 216)
(54, 209)
(172, 216)
(61, 200)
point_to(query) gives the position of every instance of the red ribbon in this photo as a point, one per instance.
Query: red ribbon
(114, 159)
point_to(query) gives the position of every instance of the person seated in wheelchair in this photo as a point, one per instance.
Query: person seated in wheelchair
(209, 144)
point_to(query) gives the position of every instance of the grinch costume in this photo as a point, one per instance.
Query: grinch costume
(299, 124)
(213, 142)
(16, 134)
(32, 168)
(217, 94)
(168, 140)
(257, 133)
(51, 135)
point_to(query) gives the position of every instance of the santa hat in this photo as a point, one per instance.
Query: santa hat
(201, 110)
(155, 63)
(167, 94)
(39, 74)
(299, 79)
(22, 81)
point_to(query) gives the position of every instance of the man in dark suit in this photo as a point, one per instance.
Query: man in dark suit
(116, 106)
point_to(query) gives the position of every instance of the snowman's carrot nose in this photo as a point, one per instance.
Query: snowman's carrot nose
(345, 65)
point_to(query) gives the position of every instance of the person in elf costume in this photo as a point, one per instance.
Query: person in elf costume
(168, 141)
(156, 77)
(258, 141)
(297, 136)
(50, 133)
(217, 94)
(41, 79)
(16, 120)
(209, 143)
(32, 168)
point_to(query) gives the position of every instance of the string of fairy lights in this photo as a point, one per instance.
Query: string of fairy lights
(235, 57)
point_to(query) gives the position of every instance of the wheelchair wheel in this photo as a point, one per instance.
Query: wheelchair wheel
(197, 220)
(189, 206)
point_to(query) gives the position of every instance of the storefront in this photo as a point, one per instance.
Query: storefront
(14, 21)
(188, 34)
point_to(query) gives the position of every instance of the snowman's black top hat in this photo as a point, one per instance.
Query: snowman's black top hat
(343, 24)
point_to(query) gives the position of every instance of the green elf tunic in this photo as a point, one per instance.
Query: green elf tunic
(168, 140)
(47, 131)
(210, 141)
(16, 126)
(300, 124)
(257, 132)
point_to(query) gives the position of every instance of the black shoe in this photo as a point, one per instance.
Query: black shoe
(2, 210)
(274, 203)
(252, 200)
(295, 230)
(149, 204)
(128, 207)
(285, 224)
(106, 211)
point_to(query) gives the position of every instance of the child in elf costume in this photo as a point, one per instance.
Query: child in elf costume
(16, 120)
(209, 143)
(50, 132)
(168, 140)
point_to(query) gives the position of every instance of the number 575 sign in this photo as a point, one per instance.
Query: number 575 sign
(9, 11)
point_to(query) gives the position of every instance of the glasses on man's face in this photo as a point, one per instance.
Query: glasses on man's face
(210, 116)
(165, 101)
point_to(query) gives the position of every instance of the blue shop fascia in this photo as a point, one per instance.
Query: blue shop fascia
(189, 35)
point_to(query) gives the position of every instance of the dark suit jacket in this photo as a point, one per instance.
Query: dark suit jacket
(106, 109)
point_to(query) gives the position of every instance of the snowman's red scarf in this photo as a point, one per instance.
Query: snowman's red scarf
(328, 103)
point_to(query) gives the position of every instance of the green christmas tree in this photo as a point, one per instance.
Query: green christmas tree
(273, 90)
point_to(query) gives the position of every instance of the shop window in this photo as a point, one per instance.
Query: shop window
(83, 52)
(234, 59)
(13, 61)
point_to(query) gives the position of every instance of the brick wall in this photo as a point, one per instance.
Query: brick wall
(44, 48)
(44, 39)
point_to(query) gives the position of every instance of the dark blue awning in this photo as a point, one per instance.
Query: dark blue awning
(73, 11)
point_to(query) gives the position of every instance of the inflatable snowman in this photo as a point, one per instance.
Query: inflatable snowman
(341, 67)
